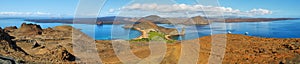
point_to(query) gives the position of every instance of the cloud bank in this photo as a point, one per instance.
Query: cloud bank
(184, 8)
(24, 13)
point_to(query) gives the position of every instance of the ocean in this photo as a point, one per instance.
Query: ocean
(272, 29)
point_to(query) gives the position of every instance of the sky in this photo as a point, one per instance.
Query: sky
(167, 8)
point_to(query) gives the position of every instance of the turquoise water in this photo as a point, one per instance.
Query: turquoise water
(99, 32)
(274, 29)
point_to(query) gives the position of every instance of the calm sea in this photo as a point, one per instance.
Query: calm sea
(274, 29)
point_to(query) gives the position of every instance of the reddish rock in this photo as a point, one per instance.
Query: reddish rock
(30, 29)
(10, 28)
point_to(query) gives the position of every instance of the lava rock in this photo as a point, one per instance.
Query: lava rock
(10, 28)
(30, 29)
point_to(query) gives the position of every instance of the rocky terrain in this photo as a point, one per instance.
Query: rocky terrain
(54, 45)
(30, 43)
(145, 26)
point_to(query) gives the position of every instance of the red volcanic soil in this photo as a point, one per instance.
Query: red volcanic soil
(239, 49)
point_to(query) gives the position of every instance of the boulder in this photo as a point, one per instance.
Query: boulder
(7, 60)
(3, 35)
(30, 29)
(65, 55)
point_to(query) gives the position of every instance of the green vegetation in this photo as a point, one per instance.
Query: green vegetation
(140, 40)
(154, 36)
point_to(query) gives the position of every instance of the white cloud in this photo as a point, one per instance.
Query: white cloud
(111, 10)
(24, 13)
(260, 11)
(184, 8)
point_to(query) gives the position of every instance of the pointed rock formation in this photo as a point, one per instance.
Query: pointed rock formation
(30, 29)
(182, 31)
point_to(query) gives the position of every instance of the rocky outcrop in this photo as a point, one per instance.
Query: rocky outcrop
(145, 26)
(10, 28)
(8, 39)
(30, 29)
(8, 44)
(7, 60)
(66, 55)
(53, 45)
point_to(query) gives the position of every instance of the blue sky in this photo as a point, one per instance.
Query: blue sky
(280, 8)
(67, 8)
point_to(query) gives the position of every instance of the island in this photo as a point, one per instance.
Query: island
(196, 20)
(230, 20)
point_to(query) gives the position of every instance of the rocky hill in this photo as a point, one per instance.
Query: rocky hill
(30, 29)
(145, 26)
(32, 44)
(156, 19)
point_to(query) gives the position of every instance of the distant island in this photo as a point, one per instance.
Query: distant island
(197, 20)
(256, 19)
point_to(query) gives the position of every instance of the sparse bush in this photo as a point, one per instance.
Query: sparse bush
(154, 36)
